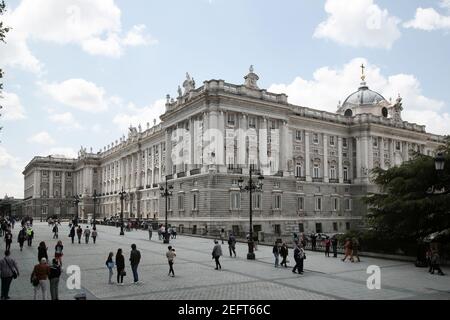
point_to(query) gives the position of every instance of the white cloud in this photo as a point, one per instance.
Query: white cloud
(7, 160)
(429, 19)
(136, 116)
(330, 85)
(43, 138)
(66, 120)
(12, 108)
(62, 152)
(94, 25)
(137, 37)
(79, 94)
(358, 23)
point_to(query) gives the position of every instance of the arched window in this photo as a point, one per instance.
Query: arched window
(348, 113)
(384, 112)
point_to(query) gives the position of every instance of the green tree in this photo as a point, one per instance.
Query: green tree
(3, 31)
(403, 209)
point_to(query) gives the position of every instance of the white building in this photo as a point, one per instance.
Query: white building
(316, 164)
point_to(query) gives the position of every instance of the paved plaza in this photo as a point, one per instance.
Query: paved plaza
(196, 279)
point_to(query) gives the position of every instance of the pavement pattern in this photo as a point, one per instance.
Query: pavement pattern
(197, 279)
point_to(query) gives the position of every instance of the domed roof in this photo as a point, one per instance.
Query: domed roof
(364, 96)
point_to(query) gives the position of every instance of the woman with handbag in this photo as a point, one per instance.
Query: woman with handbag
(110, 266)
(8, 272)
(59, 252)
(120, 264)
(42, 251)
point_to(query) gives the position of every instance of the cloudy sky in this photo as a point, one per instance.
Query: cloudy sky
(79, 72)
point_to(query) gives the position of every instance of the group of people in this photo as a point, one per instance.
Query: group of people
(351, 249)
(171, 232)
(87, 233)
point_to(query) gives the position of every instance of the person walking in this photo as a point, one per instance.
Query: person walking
(217, 253)
(284, 251)
(299, 256)
(55, 231)
(276, 254)
(72, 233)
(135, 258)
(170, 259)
(120, 264)
(327, 247)
(110, 266)
(313, 241)
(435, 263)
(348, 249)
(428, 256)
(42, 251)
(30, 236)
(22, 237)
(8, 272)
(222, 234)
(54, 274)
(232, 245)
(87, 234)
(39, 278)
(150, 232)
(159, 233)
(94, 234)
(334, 244)
(59, 252)
(8, 239)
(79, 233)
(355, 249)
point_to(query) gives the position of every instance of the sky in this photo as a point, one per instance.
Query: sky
(79, 72)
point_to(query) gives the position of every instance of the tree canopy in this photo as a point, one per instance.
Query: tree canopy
(404, 209)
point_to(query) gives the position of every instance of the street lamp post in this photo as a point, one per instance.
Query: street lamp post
(439, 163)
(122, 197)
(76, 201)
(95, 197)
(166, 192)
(251, 186)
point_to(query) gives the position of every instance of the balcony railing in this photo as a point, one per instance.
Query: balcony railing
(317, 179)
(235, 170)
(194, 171)
(348, 181)
(169, 177)
(300, 178)
(155, 185)
(279, 174)
(181, 174)
(334, 180)
(147, 186)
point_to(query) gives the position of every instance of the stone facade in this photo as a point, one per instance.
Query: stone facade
(316, 164)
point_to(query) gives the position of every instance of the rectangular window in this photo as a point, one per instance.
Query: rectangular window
(316, 171)
(298, 135)
(375, 142)
(347, 226)
(231, 119)
(252, 122)
(332, 172)
(345, 173)
(397, 145)
(256, 201)
(69, 174)
(318, 204)
(315, 138)
(57, 174)
(331, 140)
(335, 204)
(301, 228)
(235, 200)
(298, 170)
(277, 202)
(181, 202)
(195, 201)
(300, 203)
(344, 142)
(169, 204)
(348, 204)
(335, 226)
(318, 228)
(277, 229)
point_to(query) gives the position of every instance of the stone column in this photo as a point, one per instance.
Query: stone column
(370, 152)
(145, 168)
(220, 152)
(264, 163)
(168, 151)
(392, 154)
(325, 158)
(50, 179)
(241, 150)
(160, 148)
(358, 158)
(36, 182)
(307, 158)
(283, 146)
(192, 133)
(381, 146)
(63, 184)
(139, 169)
(340, 167)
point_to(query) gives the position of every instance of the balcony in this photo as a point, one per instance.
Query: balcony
(169, 177)
(334, 180)
(317, 179)
(279, 174)
(181, 174)
(147, 186)
(300, 178)
(235, 170)
(348, 181)
(194, 171)
(155, 185)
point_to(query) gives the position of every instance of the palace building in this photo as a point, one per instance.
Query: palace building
(316, 165)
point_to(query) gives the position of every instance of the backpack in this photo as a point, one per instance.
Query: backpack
(55, 229)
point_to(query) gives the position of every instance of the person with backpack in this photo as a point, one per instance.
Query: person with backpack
(8, 272)
(72, 233)
(170, 258)
(94, 234)
(8, 239)
(87, 234)
(110, 266)
(232, 245)
(217, 253)
(59, 252)
(284, 251)
(135, 258)
(79, 233)
(276, 253)
(22, 237)
(299, 256)
(53, 277)
(120, 264)
(30, 236)
(55, 231)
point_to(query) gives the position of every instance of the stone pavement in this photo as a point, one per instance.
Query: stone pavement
(241, 279)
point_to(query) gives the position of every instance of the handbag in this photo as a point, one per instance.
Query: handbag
(123, 273)
(13, 271)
